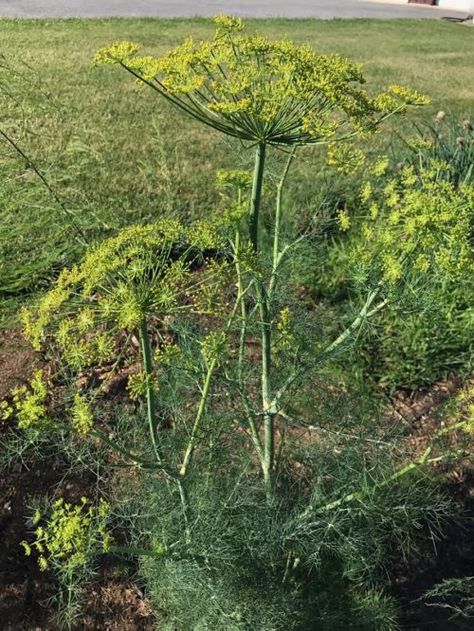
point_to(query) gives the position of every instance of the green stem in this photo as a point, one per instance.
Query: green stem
(150, 392)
(423, 459)
(257, 193)
(198, 420)
(278, 211)
(205, 393)
(268, 412)
(365, 312)
(134, 459)
(268, 417)
(240, 367)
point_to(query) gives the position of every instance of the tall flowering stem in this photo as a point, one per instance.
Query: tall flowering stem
(149, 387)
(265, 93)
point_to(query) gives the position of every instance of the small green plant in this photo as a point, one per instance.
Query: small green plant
(71, 535)
(29, 405)
(68, 538)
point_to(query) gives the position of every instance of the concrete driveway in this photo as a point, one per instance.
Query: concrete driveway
(324, 9)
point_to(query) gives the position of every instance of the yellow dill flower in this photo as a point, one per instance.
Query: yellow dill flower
(71, 534)
(26, 547)
(166, 355)
(213, 347)
(286, 338)
(120, 52)
(138, 384)
(345, 157)
(258, 89)
(236, 179)
(366, 192)
(344, 220)
(82, 418)
(43, 563)
(424, 224)
(380, 167)
(29, 404)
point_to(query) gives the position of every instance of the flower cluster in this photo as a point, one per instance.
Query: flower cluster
(138, 384)
(143, 270)
(213, 348)
(82, 417)
(261, 90)
(345, 157)
(71, 534)
(28, 405)
(420, 222)
(237, 180)
(286, 338)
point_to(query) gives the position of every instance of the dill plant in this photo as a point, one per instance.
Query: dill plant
(410, 229)
(266, 93)
(221, 549)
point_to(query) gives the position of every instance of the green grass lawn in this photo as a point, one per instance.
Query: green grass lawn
(117, 154)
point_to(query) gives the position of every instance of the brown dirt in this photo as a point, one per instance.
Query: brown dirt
(453, 556)
(17, 361)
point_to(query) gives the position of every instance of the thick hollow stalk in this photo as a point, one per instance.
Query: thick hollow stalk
(257, 194)
(278, 211)
(268, 413)
(265, 324)
(240, 368)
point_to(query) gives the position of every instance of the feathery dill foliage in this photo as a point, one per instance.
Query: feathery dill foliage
(253, 566)
(260, 90)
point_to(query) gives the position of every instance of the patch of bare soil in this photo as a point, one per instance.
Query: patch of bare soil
(17, 361)
(452, 556)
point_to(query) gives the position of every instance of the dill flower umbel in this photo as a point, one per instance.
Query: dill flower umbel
(426, 226)
(115, 286)
(261, 90)
(70, 534)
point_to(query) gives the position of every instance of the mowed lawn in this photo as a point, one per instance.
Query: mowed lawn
(116, 154)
